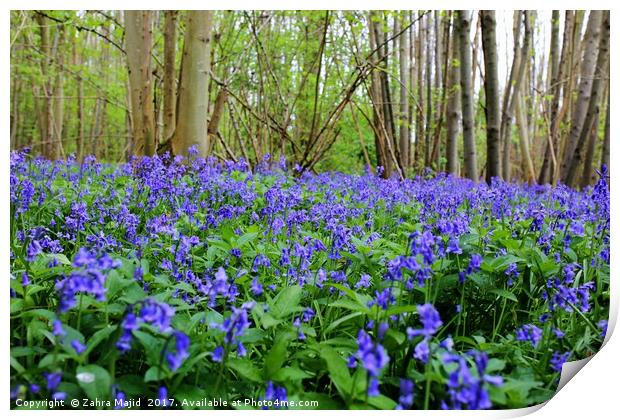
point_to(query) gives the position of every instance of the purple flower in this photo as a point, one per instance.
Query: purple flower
(364, 282)
(602, 324)
(218, 354)
(558, 360)
(256, 287)
(78, 346)
(53, 380)
(277, 394)
(175, 359)
(430, 321)
(466, 390)
(405, 400)
(372, 356)
(57, 329)
(529, 332)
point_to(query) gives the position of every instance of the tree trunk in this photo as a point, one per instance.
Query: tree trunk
(594, 98)
(421, 94)
(452, 123)
(588, 174)
(524, 141)
(138, 37)
(588, 67)
(43, 99)
(554, 89)
(403, 119)
(191, 124)
(429, 95)
(491, 93)
(383, 159)
(515, 84)
(467, 105)
(605, 153)
(170, 98)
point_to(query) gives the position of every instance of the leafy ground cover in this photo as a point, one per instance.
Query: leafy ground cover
(177, 282)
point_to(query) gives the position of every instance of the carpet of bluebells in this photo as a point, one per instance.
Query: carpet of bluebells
(183, 279)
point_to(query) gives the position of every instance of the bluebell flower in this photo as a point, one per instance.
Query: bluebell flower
(405, 400)
(218, 354)
(529, 332)
(256, 287)
(372, 356)
(175, 359)
(602, 324)
(276, 394)
(558, 360)
(364, 282)
(78, 346)
(430, 319)
(53, 380)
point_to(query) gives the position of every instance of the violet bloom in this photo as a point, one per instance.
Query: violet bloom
(372, 357)
(175, 359)
(529, 332)
(467, 391)
(558, 360)
(277, 394)
(78, 346)
(430, 321)
(405, 400)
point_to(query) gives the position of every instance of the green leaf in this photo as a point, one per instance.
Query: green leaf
(338, 370)
(95, 381)
(290, 373)
(287, 301)
(154, 373)
(505, 293)
(277, 355)
(246, 368)
(98, 337)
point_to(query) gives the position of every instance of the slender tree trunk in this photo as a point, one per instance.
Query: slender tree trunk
(524, 140)
(429, 95)
(588, 67)
(15, 112)
(554, 89)
(138, 37)
(44, 99)
(452, 122)
(588, 173)
(191, 124)
(376, 99)
(170, 98)
(403, 118)
(491, 94)
(605, 153)
(467, 105)
(79, 86)
(593, 98)
(521, 56)
(421, 94)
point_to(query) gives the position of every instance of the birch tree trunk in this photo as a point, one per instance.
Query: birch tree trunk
(138, 37)
(524, 141)
(515, 83)
(491, 93)
(403, 118)
(452, 123)
(467, 105)
(594, 97)
(588, 67)
(605, 154)
(555, 72)
(170, 98)
(192, 117)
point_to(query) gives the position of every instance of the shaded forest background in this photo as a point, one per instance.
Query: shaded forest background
(327, 90)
